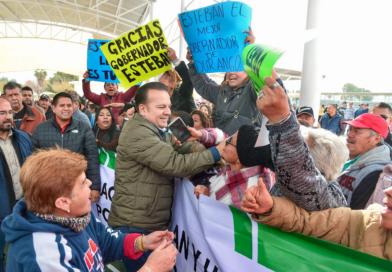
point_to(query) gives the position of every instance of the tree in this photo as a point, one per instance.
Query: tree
(351, 88)
(41, 76)
(60, 82)
(33, 85)
(5, 79)
(58, 87)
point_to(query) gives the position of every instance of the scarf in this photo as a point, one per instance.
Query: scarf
(76, 224)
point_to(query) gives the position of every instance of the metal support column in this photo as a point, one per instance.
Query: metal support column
(311, 66)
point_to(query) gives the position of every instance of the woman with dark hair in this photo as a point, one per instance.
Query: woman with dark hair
(111, 95)
(206, 109)
(201, 120)
(105, 130)
(179, 84)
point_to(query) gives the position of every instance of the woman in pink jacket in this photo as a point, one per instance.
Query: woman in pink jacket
(111, 95)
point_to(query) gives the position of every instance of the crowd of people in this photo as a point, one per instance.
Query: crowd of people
(328, 181)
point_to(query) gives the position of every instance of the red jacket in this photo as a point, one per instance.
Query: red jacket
(103, 99)
(31, 119)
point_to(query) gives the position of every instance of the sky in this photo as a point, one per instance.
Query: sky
(355, 37)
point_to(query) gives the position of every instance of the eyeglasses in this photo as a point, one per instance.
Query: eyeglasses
(229, 141)
(4, 113)
(384, 117)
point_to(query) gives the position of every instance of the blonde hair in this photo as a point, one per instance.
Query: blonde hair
(174, 76)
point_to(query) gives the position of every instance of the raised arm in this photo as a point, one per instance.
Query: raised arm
(95, 98)
(130, 93)
(205, 87)
(296, 175)
(186, 88)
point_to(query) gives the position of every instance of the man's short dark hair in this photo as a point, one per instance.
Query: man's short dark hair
(185, 117)
(12, 85)
(27, 88)
(383, 105)
(95, 107)
(59, 95)
(142, 94)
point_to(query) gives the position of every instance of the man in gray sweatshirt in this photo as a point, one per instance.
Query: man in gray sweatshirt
(368, 157)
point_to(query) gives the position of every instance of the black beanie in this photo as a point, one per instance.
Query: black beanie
(248, 154)
(127, 106)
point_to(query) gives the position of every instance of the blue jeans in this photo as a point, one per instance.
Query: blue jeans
(2, 246)
(134, 265)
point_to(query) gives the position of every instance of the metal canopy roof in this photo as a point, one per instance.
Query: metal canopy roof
(53, 34)
(70, 20)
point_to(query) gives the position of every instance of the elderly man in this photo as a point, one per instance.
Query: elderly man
(26, 118)
(385, 111)
(306, 113)
(368, 157)
(297, 177)
(332, 120)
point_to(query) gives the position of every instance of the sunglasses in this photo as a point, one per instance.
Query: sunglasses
(229, 141)
(384, 117)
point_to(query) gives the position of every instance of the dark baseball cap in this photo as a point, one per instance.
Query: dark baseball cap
(365, 104)
(44, 96)
(304, 109)
(344, 102)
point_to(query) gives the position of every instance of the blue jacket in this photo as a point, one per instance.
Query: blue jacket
(360, 111)
(38, 245)
(23, 148)
(334, 124)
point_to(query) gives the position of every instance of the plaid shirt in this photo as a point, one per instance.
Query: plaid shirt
(229, 186)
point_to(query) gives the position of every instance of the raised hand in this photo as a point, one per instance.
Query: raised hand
(251, 38)
(257, 199)
(189, 56)
(86, 75)
(273, 103)
(171, 53)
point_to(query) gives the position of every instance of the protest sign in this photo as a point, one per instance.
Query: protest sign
(259, 60)
(215, 35)
(97, 65)
(138, 55)
(101, 209)
(212, 236)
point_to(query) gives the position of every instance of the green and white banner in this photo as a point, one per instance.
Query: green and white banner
(211, 236)
(101, 209)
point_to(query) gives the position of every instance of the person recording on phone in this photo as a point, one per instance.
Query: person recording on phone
(148, 159)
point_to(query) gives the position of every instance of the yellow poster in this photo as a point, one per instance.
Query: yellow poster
(138, 55)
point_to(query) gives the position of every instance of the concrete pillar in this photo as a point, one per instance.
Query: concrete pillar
(182, 50)
(152, 9)
(312, 62)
